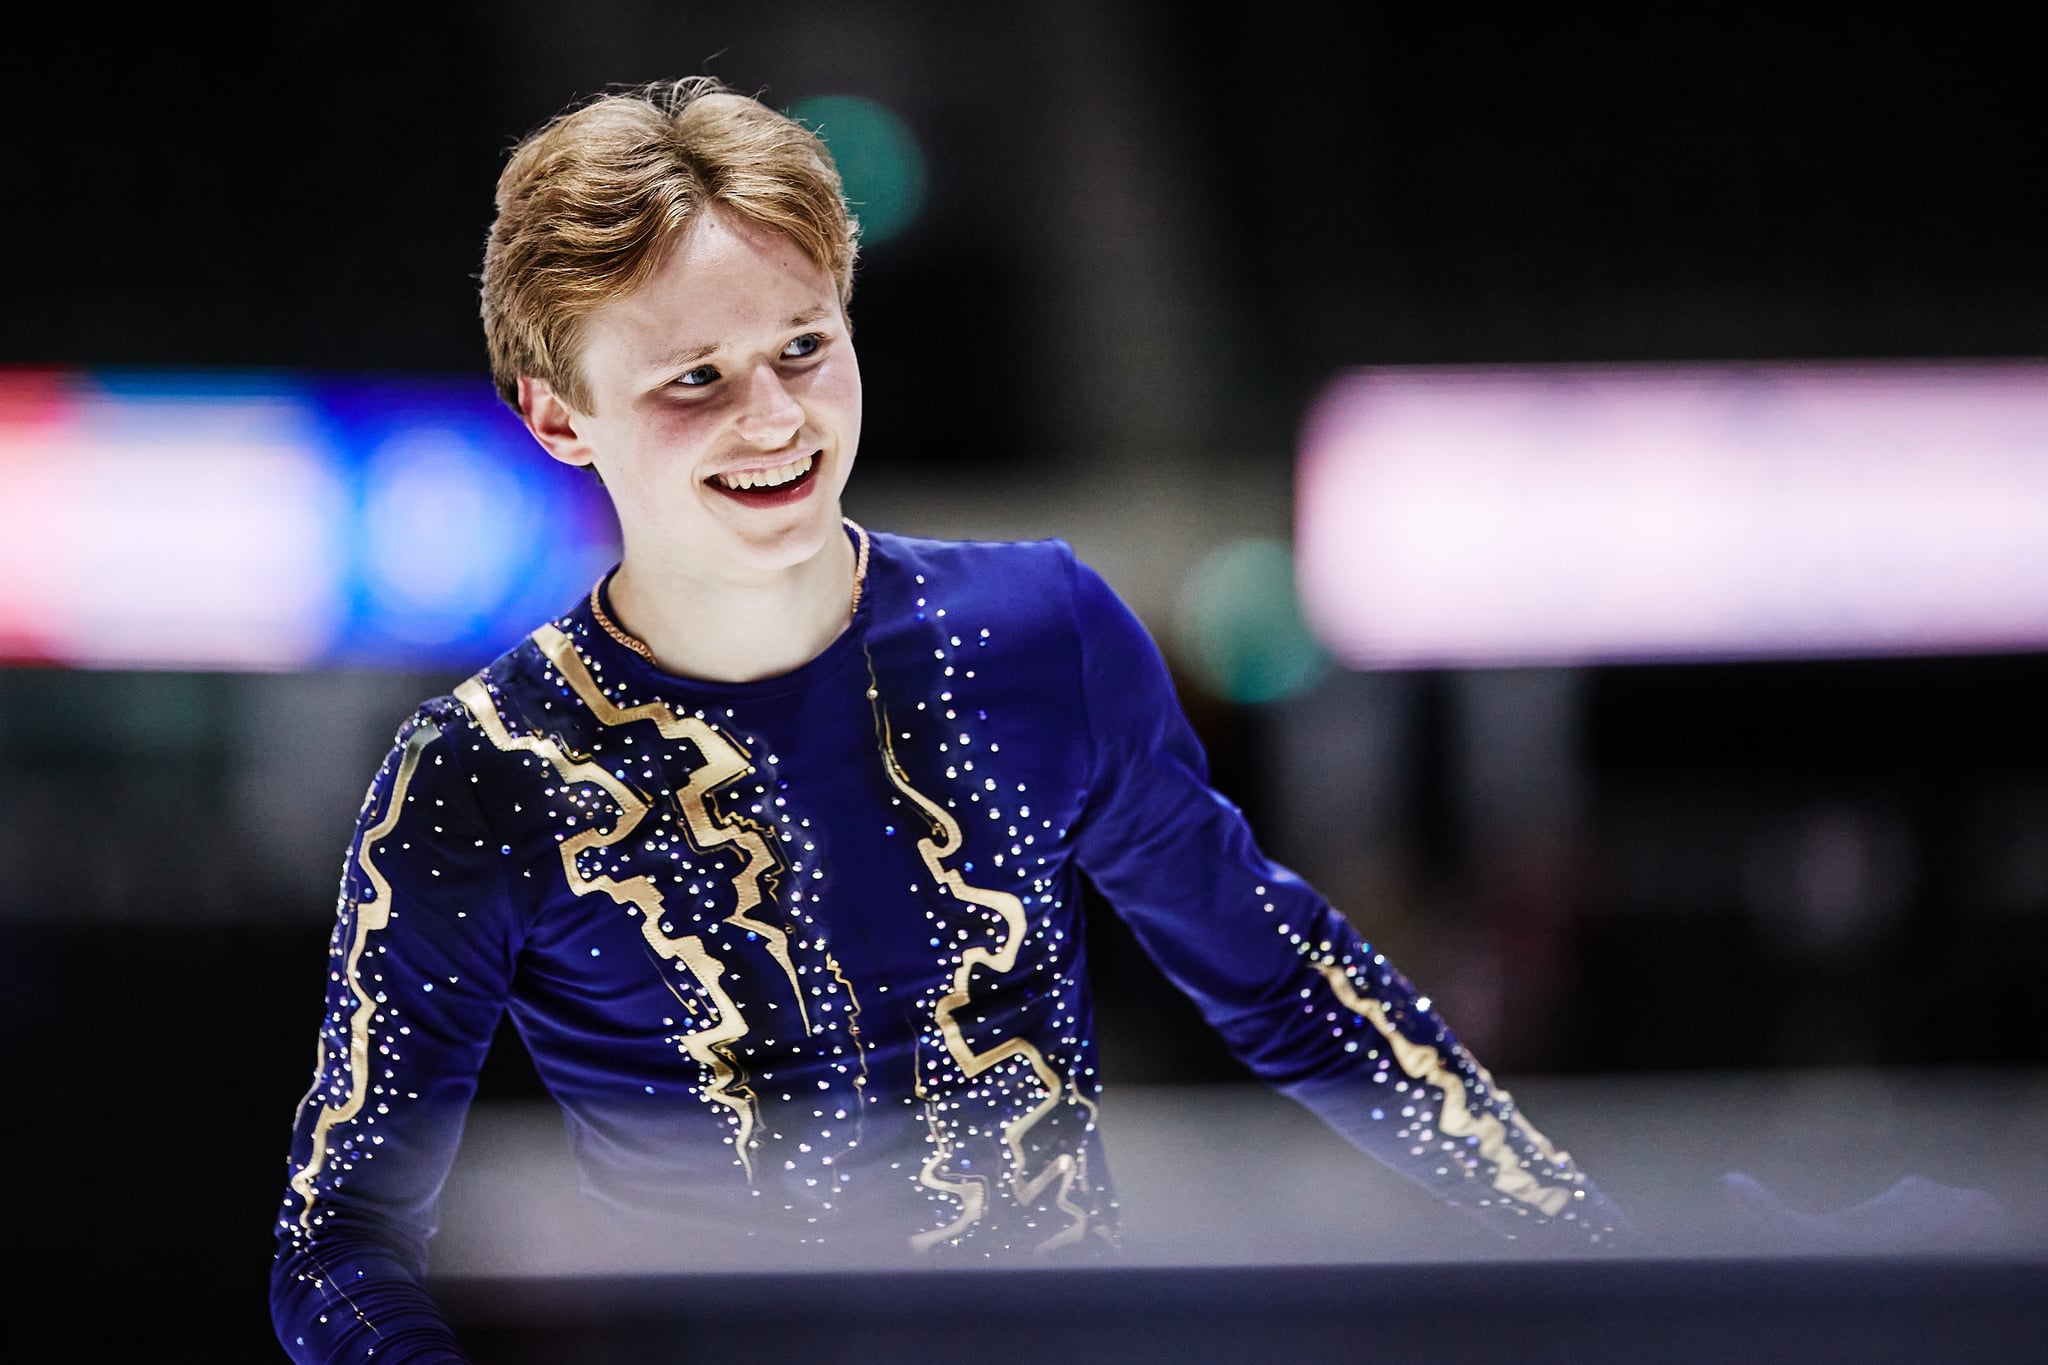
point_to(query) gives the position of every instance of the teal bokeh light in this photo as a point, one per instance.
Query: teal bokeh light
(1241, 626)
(880, 163)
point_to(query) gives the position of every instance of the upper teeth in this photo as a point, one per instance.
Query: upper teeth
(767, 478)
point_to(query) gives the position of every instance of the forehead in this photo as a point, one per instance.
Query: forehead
(723, 282)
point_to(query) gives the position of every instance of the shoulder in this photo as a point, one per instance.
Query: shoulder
(523, 690)
(957, 564)
(450, 737)
(1040, 587)
(437, 721)
(1039, 583)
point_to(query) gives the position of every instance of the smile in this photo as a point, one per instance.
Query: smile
(784, 485)
(743, 480)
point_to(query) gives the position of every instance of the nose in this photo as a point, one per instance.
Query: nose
(769, 416)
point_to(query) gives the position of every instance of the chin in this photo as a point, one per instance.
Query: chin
(786, 547)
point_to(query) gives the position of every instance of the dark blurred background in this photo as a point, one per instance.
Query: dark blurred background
(1147, 238)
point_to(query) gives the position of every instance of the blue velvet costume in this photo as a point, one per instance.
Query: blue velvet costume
(802, 958)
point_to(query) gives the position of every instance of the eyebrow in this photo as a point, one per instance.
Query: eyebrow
(691, 355)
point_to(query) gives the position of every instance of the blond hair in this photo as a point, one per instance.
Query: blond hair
(587, 202)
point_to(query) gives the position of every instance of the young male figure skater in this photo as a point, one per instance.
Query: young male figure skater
(773, 844)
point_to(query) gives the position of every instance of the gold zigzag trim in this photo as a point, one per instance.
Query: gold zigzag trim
(860, 1054)
(710, 1044)
(375, 914)
(724, 762)
(1066, 1170)
(1423, 1063)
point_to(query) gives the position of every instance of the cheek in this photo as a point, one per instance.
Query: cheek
(654, 457)
(669, 440)
(839, 389)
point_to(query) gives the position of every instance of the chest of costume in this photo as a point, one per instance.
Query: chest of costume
(797, 909)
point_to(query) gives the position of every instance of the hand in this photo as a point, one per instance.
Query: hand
(1915, 1215)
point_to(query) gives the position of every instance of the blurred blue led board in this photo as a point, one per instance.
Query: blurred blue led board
(188, 520)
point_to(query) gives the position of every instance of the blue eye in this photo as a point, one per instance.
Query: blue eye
(802, 346)
(698, 377)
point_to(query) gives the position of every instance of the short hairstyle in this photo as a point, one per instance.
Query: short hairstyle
(588, 201)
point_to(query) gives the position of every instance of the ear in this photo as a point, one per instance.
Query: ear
(558, 427)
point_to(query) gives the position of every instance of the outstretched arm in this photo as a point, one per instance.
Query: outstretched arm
(1298, 995)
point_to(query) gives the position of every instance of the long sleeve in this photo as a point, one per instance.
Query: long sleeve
(1306, 1003)
(420, 965)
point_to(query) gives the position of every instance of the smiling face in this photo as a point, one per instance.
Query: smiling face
(725, 404)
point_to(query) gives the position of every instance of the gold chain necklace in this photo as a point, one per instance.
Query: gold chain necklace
(639, 646)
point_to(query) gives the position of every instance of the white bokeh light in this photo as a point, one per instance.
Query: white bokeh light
(1502, 516)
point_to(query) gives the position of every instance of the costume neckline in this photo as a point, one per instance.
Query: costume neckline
(616, 645)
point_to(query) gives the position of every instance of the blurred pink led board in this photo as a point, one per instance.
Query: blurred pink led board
(1475, 517)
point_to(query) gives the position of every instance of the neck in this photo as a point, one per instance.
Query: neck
(720, 630)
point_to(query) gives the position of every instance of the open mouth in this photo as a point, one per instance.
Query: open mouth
(785, 483)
